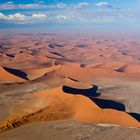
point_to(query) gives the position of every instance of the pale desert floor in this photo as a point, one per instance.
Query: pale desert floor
(69, 87)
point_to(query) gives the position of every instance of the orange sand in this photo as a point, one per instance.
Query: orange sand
(99, 58)
(84, 109)
(6, 77)
(131, 69)
(36, 73)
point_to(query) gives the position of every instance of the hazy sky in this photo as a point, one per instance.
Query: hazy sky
(70, 14)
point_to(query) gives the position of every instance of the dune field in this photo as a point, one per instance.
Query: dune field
(69, 87)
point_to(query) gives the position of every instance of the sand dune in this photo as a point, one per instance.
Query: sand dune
(6, 77)
(131, 69)
(60, 105)
(36, 73)
(112, 65)
(86, 110)
(85, 74)
(67, 68)
(76, 84)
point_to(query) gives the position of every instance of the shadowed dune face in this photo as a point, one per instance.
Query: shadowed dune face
(10, 75)
(135, 115)
(92, 92)
(16, 72)
(108, 104)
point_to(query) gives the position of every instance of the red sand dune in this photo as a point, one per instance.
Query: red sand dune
(6, 77)
(60, 105)
(73, 70)
(76, 84)
(112, 65)
(84, 109)
(118, 57)
(36, 73)
(88, 74)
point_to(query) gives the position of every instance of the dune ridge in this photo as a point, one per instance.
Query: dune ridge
(6, 77)
(73, 71)
(60, 105)
(33, 74)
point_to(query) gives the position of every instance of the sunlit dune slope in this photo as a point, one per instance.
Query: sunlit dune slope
(86, 74)
(36, 73)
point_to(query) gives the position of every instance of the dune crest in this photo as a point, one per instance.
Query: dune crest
(75, 83)
(36, 73)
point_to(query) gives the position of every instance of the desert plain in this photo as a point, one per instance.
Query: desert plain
(69, 87)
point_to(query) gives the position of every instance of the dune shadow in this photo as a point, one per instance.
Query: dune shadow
(55, 45)
(135, 115)
(82, 46)
(102, 103)
(121, 69)
(61, 59)
(9, 55)
(58, 54)
(90, 92)
(16, 72)
(73, 79)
